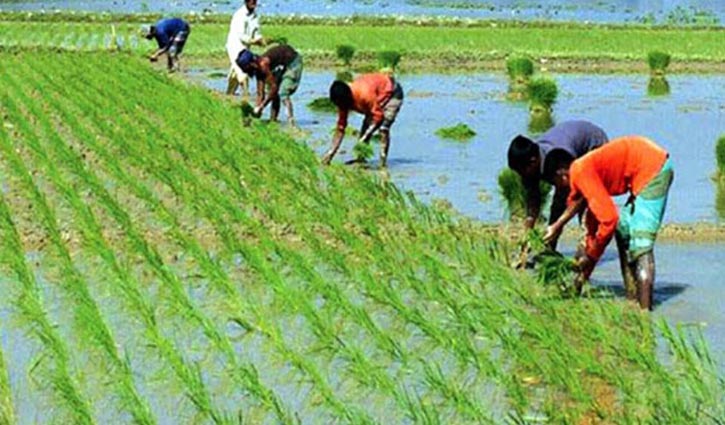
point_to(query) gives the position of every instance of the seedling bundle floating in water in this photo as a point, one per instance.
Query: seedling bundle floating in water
(322, 104)
(460, 132)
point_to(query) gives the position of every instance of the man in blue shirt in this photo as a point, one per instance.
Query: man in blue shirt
(171, 35)
(527, 158)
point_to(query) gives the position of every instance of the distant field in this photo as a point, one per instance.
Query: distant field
(442, 47)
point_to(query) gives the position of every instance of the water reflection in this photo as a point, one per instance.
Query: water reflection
(658, 86)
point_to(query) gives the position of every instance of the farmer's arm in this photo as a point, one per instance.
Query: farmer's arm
(339, 135)
(164, 43)
(268, 80)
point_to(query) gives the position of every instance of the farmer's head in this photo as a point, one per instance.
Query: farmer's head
(341, 95)
(251, 5)
(149, 31)
(556, 168)
(248, 62)
(523, 157)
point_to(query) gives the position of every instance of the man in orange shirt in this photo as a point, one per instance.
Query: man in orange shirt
(377, 96)
(633, 165)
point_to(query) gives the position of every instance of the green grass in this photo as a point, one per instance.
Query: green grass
(210, 272)
(436, 46)
(459, 132)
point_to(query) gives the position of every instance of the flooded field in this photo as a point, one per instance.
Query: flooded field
(668, 11)
(687, 123)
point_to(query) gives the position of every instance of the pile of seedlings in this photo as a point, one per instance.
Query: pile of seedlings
(460, 132)
(658, 63)
(542, 97)
(519, 69)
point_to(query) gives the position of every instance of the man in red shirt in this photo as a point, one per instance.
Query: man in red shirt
(633, 165)
(377, 96)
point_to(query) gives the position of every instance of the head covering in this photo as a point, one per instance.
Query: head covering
(145, 30)
(245, 58)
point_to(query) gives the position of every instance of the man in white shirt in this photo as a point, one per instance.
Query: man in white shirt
(244, 33)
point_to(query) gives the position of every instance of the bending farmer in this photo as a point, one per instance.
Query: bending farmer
(171, 35)
(244, 32)
(527, 158)
(633, 165)
(278, 72)
(377, 96)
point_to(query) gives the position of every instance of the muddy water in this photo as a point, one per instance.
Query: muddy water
(689, 288)
(687, 123)
(584, 10)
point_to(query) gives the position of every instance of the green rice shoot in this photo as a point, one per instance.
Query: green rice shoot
(513, 192)
(543, 92)
(460, 132)
(345, 53)
(519, 68)
(658, 61)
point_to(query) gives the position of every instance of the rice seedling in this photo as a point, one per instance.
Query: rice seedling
(7, 411)
(514, 194)
(389, 59)
(322, 104)
(542, 95)
(459, 132)
(345, 53)
(519, 69)
(658, 62)
(362, 151)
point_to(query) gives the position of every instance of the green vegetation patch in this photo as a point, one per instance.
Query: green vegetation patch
(513, 192)
(658, 61)
(345, 53)
(460, 132)
(543, 92)
(178, 247)
(518, 67)
(322, 104)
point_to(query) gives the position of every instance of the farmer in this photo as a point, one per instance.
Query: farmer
(630, 165)
(244, 32)
(377, 96)
(527, 158)
(171, 35)
(278, 72)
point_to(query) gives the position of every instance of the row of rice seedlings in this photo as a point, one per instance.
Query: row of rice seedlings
(193, 197)
(192, 155)
(55, 362)
(7, 409)
(189, 374)
(87, 313)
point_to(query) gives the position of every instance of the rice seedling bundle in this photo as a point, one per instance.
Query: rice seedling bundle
(459, 132)
(345, 53)
(658, 62)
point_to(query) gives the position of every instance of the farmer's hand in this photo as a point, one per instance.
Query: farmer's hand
(153, 58)
(552, 233)
(257, 112)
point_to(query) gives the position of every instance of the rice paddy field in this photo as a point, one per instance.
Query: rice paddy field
(161, 263)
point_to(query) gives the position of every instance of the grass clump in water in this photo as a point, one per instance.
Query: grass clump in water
(345, 53)
(513, 193)
(519, 69)
(658, 62)
(542, 94)
(322, 104)
(362, 151)
(389, 59)
(460, 132)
